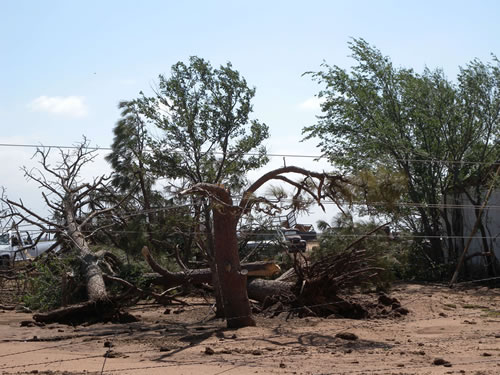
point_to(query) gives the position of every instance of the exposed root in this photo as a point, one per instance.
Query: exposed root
(324, 288)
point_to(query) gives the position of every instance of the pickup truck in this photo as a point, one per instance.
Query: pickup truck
(268, 243)
(294, 241)
(15, 247)
(305, 231)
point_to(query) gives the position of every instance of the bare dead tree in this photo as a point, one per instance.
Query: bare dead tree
(67, 196)
(233, 284)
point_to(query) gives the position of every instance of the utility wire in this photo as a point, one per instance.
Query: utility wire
(98, 148)
(322, 235)
(328, 202)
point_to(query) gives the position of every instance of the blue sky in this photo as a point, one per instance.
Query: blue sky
(65, 65)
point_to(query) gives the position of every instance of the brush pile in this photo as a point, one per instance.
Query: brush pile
(330, 287)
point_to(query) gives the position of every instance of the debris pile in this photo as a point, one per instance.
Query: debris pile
(326, 289)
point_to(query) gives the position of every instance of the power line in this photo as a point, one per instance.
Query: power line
(51, 146)
(99, 148)
(327, 202)
(164, 209)
(250, 235)
(397, 204)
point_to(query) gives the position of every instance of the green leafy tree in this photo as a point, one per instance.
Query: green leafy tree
(131, 174)
(379, 115)
(128, 154)
(206, 131)
(129, 158)
(203, 134)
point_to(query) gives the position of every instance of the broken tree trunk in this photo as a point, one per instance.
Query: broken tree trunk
(96, 288)
(98, 307)
(233, 283)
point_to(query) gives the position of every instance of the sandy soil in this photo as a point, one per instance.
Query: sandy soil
(461, 327)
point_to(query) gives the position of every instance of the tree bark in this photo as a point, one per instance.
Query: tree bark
(96, 288)
(232, 282)
(210, 241)
(260, 289)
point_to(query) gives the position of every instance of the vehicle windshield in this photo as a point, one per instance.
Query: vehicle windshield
(4, 239)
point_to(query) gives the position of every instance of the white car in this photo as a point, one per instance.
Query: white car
(15, 247)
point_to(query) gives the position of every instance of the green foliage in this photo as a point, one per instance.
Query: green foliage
(128, 152)
(415, 264)
(401, 256)
(197, 129)
(134, 273)
(381, 250)
(204, 116)
(380, 116)
(45, 283)
(144, 225)
(381, 188)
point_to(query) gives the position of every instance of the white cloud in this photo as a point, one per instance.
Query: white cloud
(312, 104)
(60, 105)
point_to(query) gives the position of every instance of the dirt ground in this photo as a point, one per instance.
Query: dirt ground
(447, 332)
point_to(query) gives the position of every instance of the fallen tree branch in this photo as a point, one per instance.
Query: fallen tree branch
(162, 298)
(203, 275)
(89, 312)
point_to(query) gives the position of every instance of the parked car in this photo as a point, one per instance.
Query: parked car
(294, 241)
(259, 244)
(305, 231)
(264, 243)
(16, 247)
